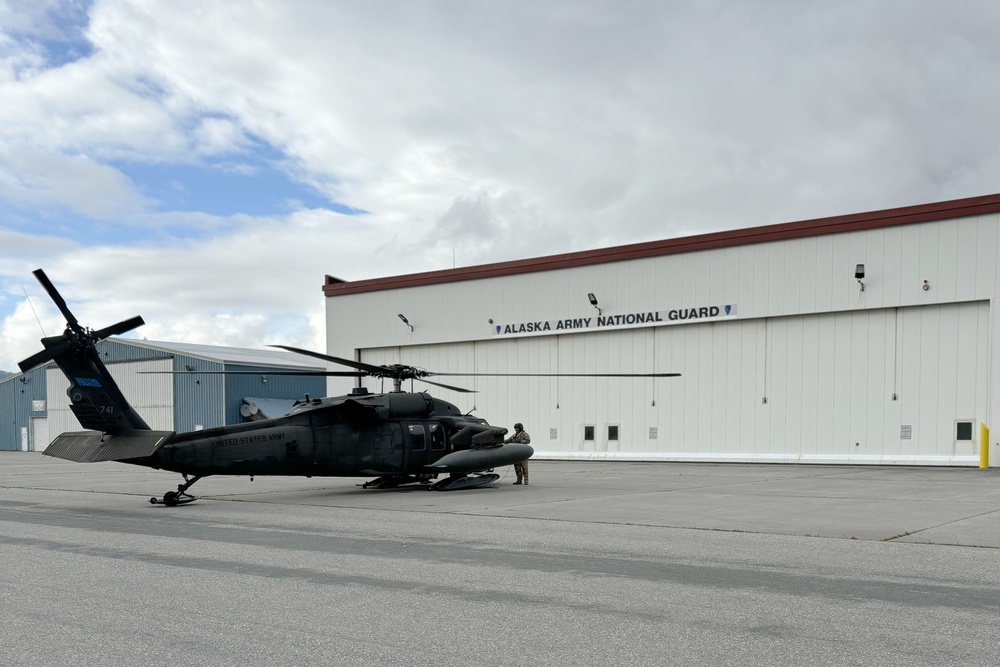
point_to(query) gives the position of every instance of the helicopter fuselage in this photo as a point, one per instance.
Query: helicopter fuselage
(356, 435)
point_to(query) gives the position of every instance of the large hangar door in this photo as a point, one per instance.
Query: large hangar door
(604, 414)
(715, 409)
(829, 384)
(943, 354)
(875, 383)
(821, 387)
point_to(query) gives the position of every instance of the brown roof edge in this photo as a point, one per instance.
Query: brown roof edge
(905, 215)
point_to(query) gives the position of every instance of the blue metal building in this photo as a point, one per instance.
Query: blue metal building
(159, 380)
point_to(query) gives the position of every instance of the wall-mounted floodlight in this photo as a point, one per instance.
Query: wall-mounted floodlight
(859, 274)
(188, 367)
(22, 380)
(406, 321)
(263, 378)
(593, 302)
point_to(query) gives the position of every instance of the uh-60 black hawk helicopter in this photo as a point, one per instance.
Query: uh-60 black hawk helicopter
(400, 438)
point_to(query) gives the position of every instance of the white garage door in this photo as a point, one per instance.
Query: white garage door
(39, 433)
(886, 384)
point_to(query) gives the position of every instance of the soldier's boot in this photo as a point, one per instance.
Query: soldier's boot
(526, 480)
(517, 482)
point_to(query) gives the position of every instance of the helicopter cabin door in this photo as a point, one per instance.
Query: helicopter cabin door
(383, 453)
(425, 444)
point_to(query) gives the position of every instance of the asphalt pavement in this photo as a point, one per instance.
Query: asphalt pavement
(592, 563)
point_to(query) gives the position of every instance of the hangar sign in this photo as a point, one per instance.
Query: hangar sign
(629, 320)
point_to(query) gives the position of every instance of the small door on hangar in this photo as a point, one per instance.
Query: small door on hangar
(39, 433)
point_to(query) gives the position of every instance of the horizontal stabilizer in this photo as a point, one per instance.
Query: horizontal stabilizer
(91, 446)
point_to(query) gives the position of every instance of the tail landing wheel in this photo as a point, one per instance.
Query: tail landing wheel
(178, 497)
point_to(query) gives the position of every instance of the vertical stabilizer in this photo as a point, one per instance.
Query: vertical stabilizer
(94, 396)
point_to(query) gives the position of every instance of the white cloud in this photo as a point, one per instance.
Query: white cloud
(259, 283)
(78, 183)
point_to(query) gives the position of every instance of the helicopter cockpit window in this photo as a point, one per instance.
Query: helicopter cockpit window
(437, 436)
(417, 440)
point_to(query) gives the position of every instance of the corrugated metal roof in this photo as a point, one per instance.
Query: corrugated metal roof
(230, 355)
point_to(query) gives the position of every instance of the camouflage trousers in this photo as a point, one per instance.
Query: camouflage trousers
(521, 470)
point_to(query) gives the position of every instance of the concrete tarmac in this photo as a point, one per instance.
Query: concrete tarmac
(594, 563)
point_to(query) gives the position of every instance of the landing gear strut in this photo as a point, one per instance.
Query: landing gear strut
(178, 497)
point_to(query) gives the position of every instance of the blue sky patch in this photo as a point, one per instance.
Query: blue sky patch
(61, 34)
(251, 184)
(59, 53)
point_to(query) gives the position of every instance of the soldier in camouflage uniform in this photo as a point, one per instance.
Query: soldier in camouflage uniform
(521, 436)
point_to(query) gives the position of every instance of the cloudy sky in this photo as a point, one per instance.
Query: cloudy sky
(205, 164)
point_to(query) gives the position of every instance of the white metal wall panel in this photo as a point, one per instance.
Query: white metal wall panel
(150, 395)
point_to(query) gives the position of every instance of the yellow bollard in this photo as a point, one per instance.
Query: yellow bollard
(984, 446)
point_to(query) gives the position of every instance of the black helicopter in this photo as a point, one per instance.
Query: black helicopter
(400, 438)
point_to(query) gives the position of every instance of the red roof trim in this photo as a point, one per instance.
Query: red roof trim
(790, 230)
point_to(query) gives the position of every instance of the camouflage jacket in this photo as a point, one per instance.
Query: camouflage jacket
(521, 437)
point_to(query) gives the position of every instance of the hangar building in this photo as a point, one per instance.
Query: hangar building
(34, 407)
(864, 338)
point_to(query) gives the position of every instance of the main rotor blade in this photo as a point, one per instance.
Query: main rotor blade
(57, 298)
(561, 375)
(381, 371)
(448, 386)
(346, 374)
(361, 366)
(120, 328)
